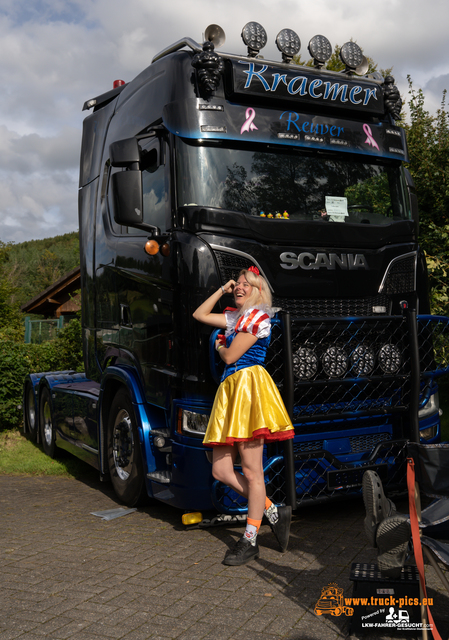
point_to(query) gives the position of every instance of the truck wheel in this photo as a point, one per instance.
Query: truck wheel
(29, 412)
(124, 455)
(47, 427)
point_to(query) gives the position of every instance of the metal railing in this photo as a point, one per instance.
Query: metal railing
(346, 374)
(38, 331)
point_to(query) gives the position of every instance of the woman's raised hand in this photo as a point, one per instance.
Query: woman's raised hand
(229, 286)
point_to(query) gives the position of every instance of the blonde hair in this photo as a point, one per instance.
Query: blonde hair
(260, 294)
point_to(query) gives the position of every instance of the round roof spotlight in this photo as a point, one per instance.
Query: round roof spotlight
(362, 69)
(352, 55)
(335, 362)
(362, 360)
(305, 363)
(288, 43)
(255, 38)
(215, 34)
(376, 75)
(320, 49)
(389, 358)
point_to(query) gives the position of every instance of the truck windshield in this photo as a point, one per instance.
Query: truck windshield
(336, 187)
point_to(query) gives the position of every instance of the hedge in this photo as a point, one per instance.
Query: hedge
(18, 359)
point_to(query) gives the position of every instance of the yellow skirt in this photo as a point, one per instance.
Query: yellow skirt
(247, 406)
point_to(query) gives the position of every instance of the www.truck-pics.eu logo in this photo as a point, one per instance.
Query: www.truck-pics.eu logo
(389, 610)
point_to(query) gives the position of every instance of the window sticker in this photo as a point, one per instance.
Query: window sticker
(336, 208)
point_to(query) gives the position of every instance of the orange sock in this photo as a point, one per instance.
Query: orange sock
(254, 523)
(268, 503)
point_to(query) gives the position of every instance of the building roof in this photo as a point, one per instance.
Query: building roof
(57, 299)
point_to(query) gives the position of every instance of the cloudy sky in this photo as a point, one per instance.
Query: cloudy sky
(56, 54)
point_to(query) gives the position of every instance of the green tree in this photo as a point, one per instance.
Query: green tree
(9, 310)
(428, 145)
(36, 264)
(25, 270)
(48, 269)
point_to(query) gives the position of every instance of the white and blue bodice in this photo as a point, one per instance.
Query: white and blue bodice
(256, 321)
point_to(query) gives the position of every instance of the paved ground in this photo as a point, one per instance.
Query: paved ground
(68, 574)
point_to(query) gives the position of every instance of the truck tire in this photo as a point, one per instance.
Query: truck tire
(30, 417)
(46, 424)
(124, 454)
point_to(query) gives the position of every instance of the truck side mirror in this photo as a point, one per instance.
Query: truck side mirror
(127, 192)
(125, 153)
(413, 199)
(127, 197)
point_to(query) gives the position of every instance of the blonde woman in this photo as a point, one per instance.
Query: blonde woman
(248, 409)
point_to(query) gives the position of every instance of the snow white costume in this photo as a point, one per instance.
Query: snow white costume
(248, 404)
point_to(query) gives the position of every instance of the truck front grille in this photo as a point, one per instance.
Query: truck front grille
(358, 444)
(342, 368)
(332, 307)
(231, 263)
(400, 277)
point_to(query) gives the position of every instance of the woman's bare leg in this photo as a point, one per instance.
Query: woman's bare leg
(223, 459)
(251, 453)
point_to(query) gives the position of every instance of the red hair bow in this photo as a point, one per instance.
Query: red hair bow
(254, 270)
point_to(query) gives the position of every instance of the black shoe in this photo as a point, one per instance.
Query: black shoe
(377, 506)
(242, 553)
(392, 538)
(281, 528)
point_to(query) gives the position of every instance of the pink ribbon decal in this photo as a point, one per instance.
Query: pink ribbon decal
(248, 125)
(369, 139)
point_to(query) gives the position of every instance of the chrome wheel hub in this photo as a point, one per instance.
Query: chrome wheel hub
(31, 410)
(122, 444)
(48, 427)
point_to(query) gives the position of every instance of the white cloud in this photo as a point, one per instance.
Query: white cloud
(56, 54)
(34, 153)
(38, 183)
(37, 206)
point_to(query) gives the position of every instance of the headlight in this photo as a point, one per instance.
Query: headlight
(192, 423)
(335, 362)
(362, 360)
(305, 363)
(431, 406)
(429, 433)
(389, 358)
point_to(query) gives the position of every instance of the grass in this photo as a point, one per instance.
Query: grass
(21, 457)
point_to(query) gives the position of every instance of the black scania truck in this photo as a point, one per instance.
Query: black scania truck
(208, 163)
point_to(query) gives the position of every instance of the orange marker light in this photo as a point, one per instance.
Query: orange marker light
(165, 249)
(152, 247)
(192, 518)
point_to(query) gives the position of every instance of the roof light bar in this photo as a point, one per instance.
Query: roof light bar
(288, 43)
(352, 55)
(363, 67)
(214, 33)
(320, 49)
(255, 38)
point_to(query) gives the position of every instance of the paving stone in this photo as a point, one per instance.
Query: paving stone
(67, 575)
